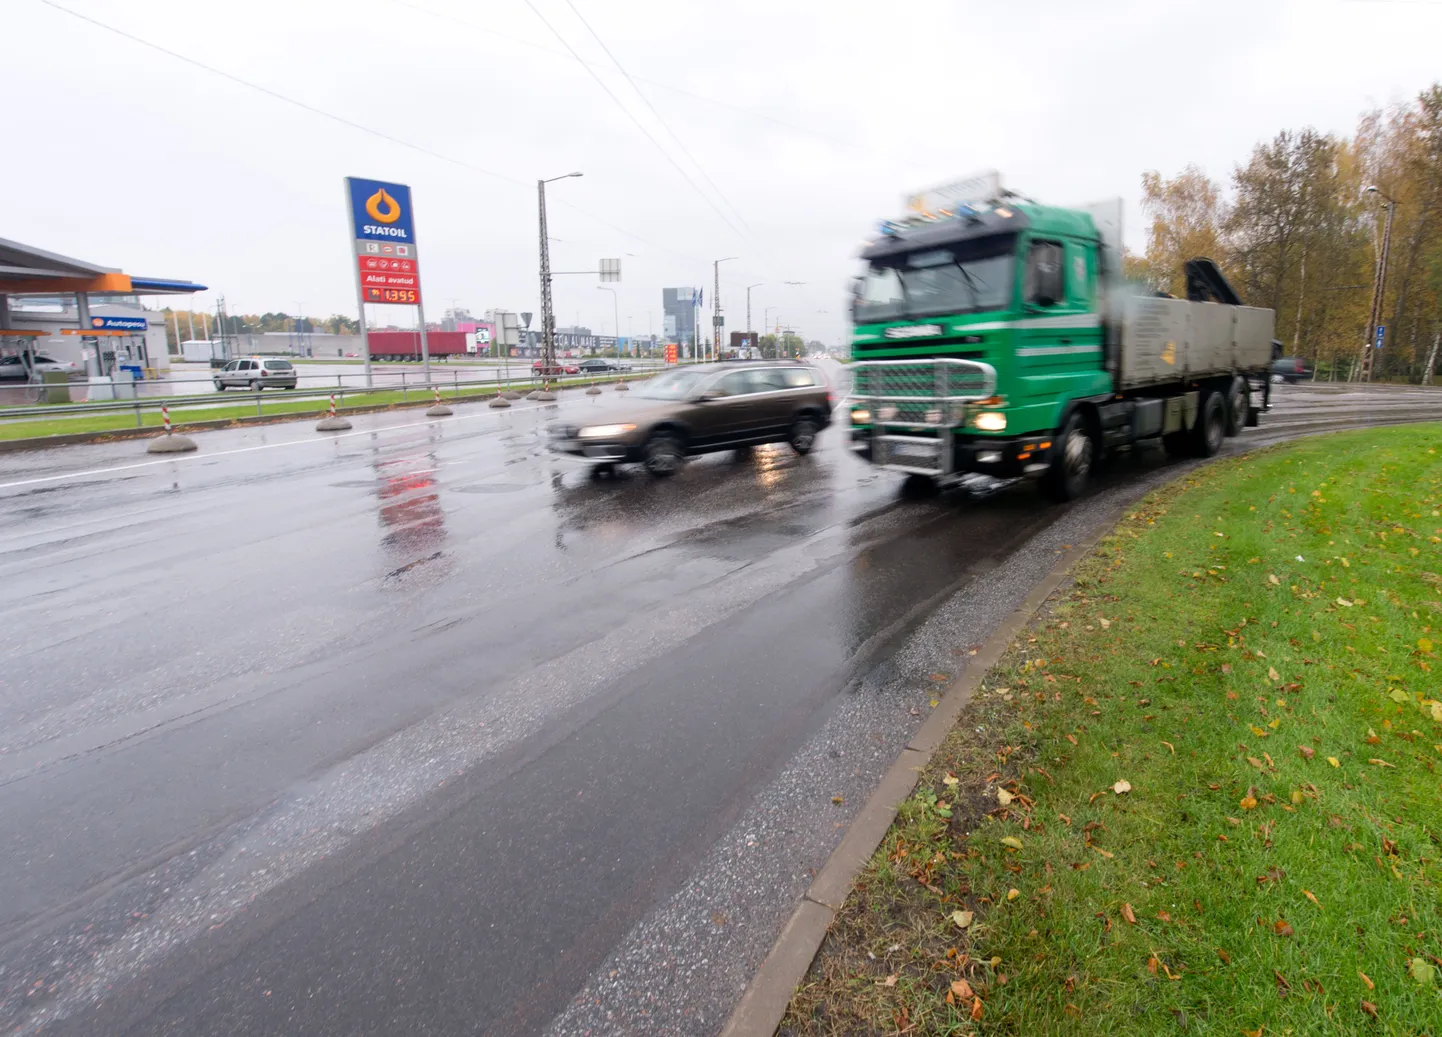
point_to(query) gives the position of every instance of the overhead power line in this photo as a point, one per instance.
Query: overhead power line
(657, 84)
(352, 124)
(647, 102)
(639, 124)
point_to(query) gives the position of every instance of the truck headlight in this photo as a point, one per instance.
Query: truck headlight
(861, 417)
(990, 421)
(886, 412)
(605, 431)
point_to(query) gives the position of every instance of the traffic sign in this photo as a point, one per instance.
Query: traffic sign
(1381, 334)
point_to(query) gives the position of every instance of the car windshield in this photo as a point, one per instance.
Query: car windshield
(674, 385)
(965, 278)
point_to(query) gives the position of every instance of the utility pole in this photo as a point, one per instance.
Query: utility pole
(716, 306)
(1379, 286)
(548, 316)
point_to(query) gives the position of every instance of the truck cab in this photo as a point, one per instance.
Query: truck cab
(999, 338)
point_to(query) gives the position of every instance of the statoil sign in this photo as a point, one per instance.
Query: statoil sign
(381, 211)
(383, 230)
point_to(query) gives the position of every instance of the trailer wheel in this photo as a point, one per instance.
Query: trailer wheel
(1239, 401)
(1211, 426)
(1071, 461)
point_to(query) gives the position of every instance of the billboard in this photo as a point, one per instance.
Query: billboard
(383, 228)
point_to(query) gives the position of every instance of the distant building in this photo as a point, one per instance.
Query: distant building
(679, 307)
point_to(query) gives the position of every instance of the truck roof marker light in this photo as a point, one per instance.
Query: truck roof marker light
(1004, 213)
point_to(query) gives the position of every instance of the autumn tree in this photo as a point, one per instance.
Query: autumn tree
(1186, 216)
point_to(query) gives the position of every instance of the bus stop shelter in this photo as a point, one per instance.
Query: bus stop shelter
(28, 271)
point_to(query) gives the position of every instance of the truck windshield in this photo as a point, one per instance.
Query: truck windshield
(975, 275)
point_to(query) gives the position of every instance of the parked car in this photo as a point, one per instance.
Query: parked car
(256, 372)
(1291, 369)
(17, 367)
(699, 410)
(560, 368)
(600, 365)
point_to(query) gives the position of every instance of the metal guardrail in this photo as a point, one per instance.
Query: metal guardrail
(216, 400)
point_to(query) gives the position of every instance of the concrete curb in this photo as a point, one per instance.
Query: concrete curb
(763, 1005)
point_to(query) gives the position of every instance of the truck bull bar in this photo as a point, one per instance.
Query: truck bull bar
(929, 397)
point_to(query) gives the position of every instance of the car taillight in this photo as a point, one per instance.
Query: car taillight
(1299, 365)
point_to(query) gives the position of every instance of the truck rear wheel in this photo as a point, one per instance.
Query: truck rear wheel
(1239, 400)
(1211, 426)
(1071, 461)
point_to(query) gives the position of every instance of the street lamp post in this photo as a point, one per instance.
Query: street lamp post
(615, 315)
(766, 321)
(548, 317)
(1379, 285)
(716, 305)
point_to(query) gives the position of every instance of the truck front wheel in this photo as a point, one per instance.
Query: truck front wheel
(1072, 460)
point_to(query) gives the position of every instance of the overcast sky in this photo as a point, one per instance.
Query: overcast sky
(810, 120)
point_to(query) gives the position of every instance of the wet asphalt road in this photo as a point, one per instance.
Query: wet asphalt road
(418, 730)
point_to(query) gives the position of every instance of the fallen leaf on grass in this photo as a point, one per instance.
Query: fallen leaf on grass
(1012, 894)
(962, 918)
(1252, 1033)
(1381, 763)
(1369, 1008)
(1256, 763)
(951, 780)
(1162, 916)
(1226, 958)
(1170, 746)
(1367, 980)
(1423, 971)
(1260, 732)
(1307, 751)
(1272, 579)
(1281, 928)
(1311, 896)
(1004, 797)
(889, 981)
(1334, 761)
(976, 1010)
(1248, 803)
(1273, 674)
(1105, 853)
(1071, 739)
(1122, 787)
(1104, 622)
(1011, 841)
(1344, 603)
(962, 989)
(1129, 914)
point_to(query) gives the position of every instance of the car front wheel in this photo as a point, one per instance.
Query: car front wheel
(219, 385)
(664, 455)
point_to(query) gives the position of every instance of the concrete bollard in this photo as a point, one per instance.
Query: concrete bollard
(622, 387)
(593, 390)
(543, 395)
(511, 394)
(439, 410)
(169, 443)
(332, 422)
(499, 400)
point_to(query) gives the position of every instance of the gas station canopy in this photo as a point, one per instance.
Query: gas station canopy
(25, 270)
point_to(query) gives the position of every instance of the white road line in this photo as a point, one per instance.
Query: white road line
(199, 456)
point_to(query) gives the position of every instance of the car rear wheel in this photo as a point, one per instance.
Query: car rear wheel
(664, 455)
(803, 435)
(257, 386)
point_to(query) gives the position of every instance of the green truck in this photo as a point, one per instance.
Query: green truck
(997, 336)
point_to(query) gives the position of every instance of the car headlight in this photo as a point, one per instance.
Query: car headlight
(604, 431)
(990, 421)
(861, 417)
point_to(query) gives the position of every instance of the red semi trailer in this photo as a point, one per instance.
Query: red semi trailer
(406, 345)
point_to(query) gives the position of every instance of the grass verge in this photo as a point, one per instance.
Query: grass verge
(1203, 795)
(274, 404)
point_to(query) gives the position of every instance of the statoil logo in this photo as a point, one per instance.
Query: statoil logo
(382, 208)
